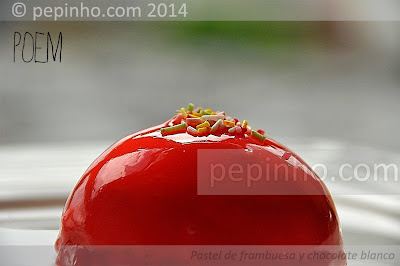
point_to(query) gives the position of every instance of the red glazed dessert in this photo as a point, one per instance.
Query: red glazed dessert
(143, 191)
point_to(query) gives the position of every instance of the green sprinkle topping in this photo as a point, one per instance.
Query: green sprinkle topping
(204, 112)
(190, 107)
(200, 122)
(258, 135)
(173, 129)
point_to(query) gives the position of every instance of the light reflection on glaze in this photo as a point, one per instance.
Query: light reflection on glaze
(126, 165)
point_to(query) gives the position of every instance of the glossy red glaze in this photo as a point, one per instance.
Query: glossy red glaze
(143, 191)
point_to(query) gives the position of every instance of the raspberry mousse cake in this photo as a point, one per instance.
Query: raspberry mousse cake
(143, 191)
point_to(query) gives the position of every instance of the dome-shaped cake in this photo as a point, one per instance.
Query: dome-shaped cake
(144, 190)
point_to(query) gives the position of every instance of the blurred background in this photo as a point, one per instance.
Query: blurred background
(303, 82)
(335, 80)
